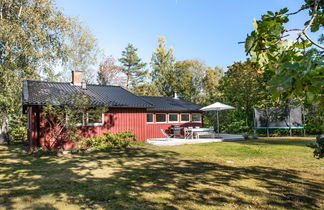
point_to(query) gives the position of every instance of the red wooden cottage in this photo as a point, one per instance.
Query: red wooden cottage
(143, 115)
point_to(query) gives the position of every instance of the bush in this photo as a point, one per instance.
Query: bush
(18, 133)
(109, 140)
(236, 127)
(318, 147)
(18, 129)
(314, 128)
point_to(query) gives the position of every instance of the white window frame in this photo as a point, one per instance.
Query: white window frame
(152, 118)
(77, 124)
(96, 124)
(166, 118)
(173, 114)
(199, 117)
(183, 114)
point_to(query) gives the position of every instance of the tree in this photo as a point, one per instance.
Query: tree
(146, 89)
(296, 66)
(163, 65)
(243, 88)
(189, 79)
(35, 37)
(61, 120)
(110, 73)
(297, 70)
(83, 52)
(132, 66)
(211, 83)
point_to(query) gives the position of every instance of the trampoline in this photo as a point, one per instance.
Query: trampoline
(290, 117)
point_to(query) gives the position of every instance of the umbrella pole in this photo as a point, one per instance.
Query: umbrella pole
(217, 122)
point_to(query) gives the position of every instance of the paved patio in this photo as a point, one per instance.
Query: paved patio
(179, 141)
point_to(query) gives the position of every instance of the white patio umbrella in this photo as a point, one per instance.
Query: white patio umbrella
(216, 107)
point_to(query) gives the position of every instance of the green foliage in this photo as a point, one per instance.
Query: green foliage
(296, 69)
(237, 126)
(35, 37)
(146, 89)
(82, 51)
(163, 65)
(132, 66)
(62, 118)
(109, 140)
(189, 77)
(314, 120)
(18, 133)
(210, 84)
(318, 147)
(195, 81)
(314, 127)
(296, 66)
(244, 88)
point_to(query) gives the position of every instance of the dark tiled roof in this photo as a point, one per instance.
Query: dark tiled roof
(170, 104)
(41, 93)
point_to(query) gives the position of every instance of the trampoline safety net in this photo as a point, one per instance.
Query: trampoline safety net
(279, 117)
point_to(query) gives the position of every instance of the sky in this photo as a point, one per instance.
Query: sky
(208, 30)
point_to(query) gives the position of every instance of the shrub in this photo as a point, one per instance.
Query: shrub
(17, 128)
(109, 140)
(18, 133)
(314, 127)
(236, 127)
(318, 146)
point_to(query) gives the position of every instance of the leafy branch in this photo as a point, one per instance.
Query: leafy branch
(310, 22)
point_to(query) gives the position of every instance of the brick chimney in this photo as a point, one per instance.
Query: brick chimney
(77, 78)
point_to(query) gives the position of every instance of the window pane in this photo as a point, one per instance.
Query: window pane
(149, 117)
(196, 117)
(94, 117)
(173, 117)
(160, 117)
(185, 117)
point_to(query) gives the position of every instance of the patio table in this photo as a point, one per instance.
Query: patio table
(199, 131)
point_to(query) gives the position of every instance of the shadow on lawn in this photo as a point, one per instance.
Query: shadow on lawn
(288, 142)
(138, 175)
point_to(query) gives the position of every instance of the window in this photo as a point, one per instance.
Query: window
(196, 117)
(173, 117)
(95, 118)
(149, 117)
(160, 118)
(77, 119)
(185, 117)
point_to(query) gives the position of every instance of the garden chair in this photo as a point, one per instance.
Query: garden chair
(188, 133)
(166, 134)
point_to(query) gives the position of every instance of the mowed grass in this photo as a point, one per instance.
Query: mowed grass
(269, 173)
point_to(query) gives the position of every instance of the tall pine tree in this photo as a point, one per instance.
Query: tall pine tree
(132, 66)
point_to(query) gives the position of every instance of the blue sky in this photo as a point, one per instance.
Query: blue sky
(197, 29)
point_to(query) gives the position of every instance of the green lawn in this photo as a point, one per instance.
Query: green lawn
(268, 173)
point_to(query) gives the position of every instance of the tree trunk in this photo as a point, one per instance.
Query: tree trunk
(4, 135)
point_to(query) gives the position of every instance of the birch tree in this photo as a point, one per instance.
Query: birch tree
(35, 37)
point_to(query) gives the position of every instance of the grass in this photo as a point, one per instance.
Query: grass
(269, 173)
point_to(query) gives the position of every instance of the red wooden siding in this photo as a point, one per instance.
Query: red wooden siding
(116, 120)
(120, 119)
(153, 130)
